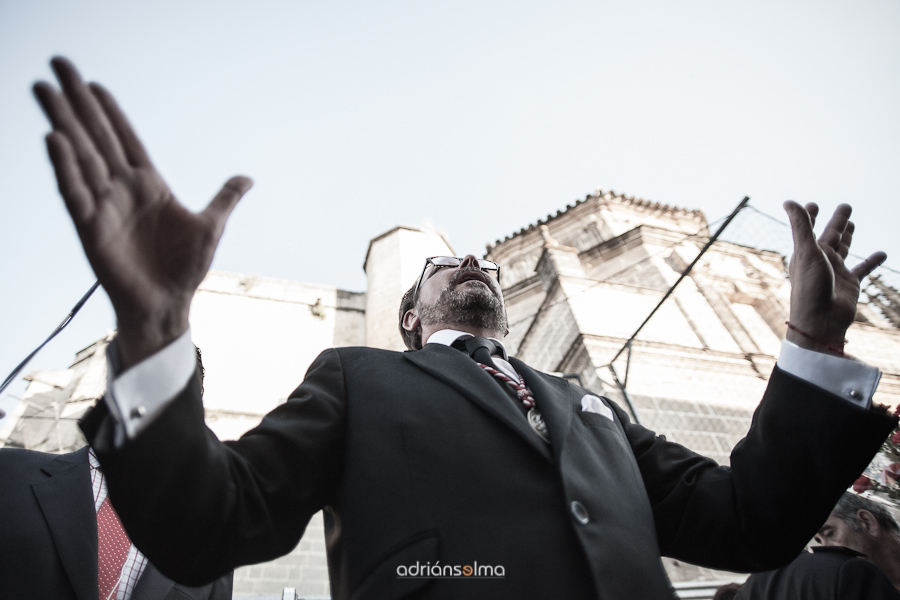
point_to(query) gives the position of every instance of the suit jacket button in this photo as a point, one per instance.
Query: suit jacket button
(580, 512)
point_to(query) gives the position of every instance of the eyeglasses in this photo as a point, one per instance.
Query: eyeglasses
(439, 262)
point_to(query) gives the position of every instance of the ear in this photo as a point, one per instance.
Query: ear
(411, 320)
(869, 522)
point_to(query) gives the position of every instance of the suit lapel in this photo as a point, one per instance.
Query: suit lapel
(67, 502)
(460, 372)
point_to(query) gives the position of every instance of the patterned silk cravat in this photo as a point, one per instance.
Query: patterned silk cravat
(113, 546)
(481, 349)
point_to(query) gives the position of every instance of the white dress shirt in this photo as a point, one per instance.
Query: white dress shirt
(136, 396)
(447, 337)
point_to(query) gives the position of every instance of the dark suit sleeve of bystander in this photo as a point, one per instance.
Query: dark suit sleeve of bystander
(861, 579)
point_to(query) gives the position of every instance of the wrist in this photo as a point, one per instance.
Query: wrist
(815, 341)
(138, 339)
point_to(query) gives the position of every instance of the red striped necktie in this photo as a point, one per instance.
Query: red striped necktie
(113, 545)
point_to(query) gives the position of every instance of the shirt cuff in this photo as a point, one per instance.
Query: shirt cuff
(850, 379)
(137, 396)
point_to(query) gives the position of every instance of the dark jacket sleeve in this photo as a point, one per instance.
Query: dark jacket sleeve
(222, 588)
(861, 579)
(198, 507)
(832, 573)
(804, 448)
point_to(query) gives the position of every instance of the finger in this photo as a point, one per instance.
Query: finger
(77, 196)
(875, 260)
(813, 209)
(131, 144)
(63, 119)
(843, 247)
(221, 206)
(801, 225)
(834, 231)
(90, 114)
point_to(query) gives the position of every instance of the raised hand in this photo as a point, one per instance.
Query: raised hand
(148, 251)
(824, 292)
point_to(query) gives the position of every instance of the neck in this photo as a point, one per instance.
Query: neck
(892, 572)
(888, 561)
(427, 331)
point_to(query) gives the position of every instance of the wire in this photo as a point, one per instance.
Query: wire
(9, 379)
(702, 233)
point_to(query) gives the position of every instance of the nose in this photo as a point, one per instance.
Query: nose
(469, 262)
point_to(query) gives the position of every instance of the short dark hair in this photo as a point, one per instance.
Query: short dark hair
(850, 504)
(412, 339)
(728, 591)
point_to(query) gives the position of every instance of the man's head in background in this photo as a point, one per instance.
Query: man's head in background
(867, 527)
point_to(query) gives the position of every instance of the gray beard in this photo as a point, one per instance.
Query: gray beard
(475, 307)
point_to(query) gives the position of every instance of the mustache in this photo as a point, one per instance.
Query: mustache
(468, 273)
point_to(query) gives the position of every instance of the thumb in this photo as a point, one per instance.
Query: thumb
(864, 268)
(220, 207)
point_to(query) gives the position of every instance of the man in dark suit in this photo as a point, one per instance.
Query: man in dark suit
(863, 525)
(435, 482)
(48, 528)
(826, 573)
(859, 559)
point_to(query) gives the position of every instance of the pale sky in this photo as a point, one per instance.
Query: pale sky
(474, 118)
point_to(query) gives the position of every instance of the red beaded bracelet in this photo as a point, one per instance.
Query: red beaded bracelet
(806, 335)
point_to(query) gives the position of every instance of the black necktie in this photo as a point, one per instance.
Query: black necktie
(481, 349)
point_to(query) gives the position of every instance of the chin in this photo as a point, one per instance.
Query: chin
(466, 305)
(472, 298)
(477, 306)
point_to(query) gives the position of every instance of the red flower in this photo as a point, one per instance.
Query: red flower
(862, 484)
(892, 472)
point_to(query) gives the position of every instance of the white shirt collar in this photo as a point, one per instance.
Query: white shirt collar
(448, 336)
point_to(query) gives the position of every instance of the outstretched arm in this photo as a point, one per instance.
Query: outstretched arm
(149, 252)
(824, 291)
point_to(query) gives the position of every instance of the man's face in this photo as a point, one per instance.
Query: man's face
(463, 295)
(836, 532)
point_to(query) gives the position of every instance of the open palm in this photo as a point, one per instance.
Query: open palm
(148, 251)
(824, 291)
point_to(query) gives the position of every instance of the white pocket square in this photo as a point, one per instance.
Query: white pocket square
(595, 405)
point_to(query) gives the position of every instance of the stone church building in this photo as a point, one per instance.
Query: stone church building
(577, 285)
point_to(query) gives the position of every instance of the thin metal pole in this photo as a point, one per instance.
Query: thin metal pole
(711, 241)
(627, 365)
(60, 327)
(625, 393)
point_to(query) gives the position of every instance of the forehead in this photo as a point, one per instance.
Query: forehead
(834, 522)
(835, 525)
